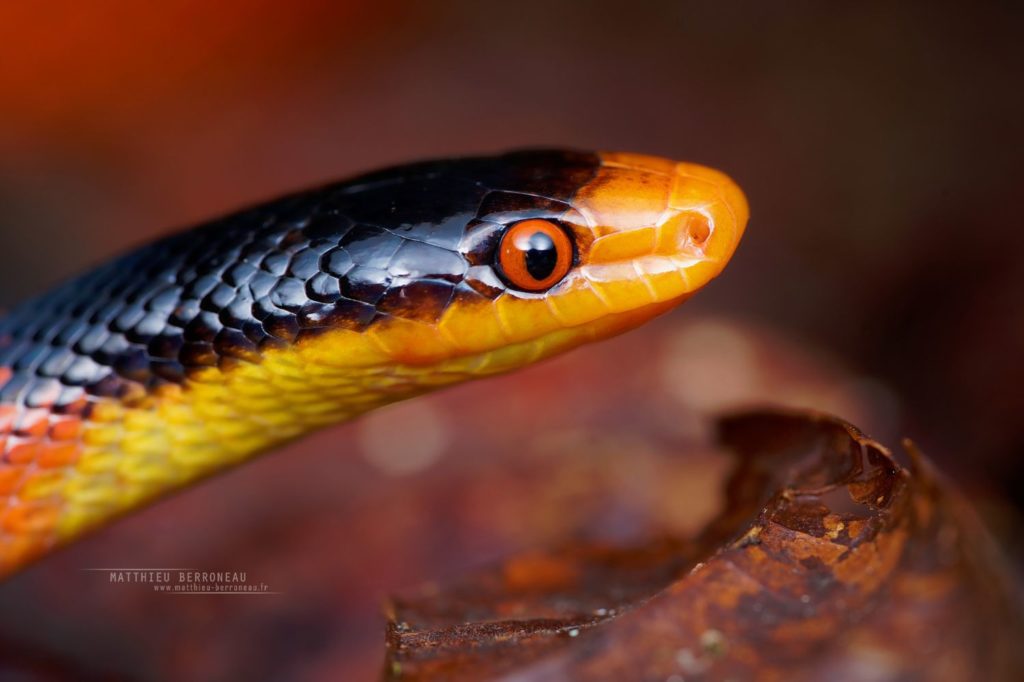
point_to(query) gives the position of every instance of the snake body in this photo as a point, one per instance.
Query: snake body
(197, 351)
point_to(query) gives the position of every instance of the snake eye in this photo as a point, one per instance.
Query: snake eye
(534, 254)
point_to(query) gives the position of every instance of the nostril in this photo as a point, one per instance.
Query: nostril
(686, 232)
(699, 229)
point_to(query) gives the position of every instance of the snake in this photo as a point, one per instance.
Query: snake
(195, 352)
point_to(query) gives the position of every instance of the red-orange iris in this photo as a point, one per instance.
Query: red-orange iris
(534, 254)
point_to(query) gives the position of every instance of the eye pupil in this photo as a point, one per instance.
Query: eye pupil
(541, 256)
(534, 255)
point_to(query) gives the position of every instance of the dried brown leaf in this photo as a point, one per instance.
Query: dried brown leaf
(830, 561)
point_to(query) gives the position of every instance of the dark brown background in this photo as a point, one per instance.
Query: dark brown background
(880, 148)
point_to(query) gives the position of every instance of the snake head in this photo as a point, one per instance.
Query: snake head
(566, 248)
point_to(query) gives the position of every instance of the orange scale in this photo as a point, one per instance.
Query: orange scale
(23, 451)
(30, 518)
(10, 479)
(66, 428)
(53, 455)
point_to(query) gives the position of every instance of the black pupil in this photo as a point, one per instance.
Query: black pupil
(541, 256)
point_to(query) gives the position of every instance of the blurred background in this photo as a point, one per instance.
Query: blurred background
(881, 278)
